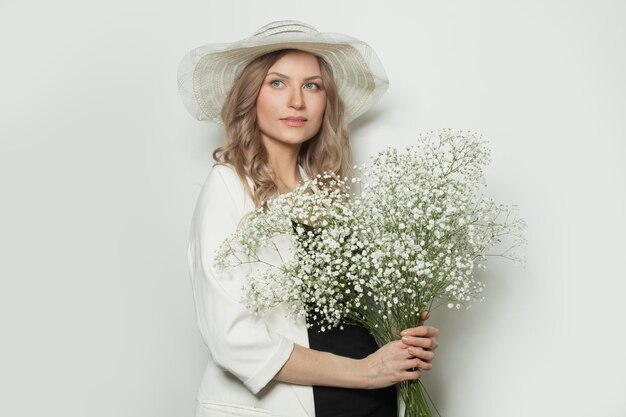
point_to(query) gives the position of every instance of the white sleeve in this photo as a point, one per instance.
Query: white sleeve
(238, 341)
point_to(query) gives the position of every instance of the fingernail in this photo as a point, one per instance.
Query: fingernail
(403, 332)
(405, 339)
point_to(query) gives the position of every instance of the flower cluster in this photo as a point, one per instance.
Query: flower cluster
(305, 250)
(408, 242)
(429, 227)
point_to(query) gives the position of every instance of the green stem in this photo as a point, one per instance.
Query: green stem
(414, 396)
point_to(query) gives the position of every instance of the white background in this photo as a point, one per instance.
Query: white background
(100, 166)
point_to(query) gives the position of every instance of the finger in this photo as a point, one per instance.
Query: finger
(430, 343)
(421, 331)
(424, 315)
(419, 342)
(418, 363)
(435, 343)
(411, 375)
(423, 354)
(398, 344)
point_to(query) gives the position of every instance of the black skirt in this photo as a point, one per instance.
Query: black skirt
(354, 342)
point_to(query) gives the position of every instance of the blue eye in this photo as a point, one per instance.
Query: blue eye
(276, 83)
(311, 86)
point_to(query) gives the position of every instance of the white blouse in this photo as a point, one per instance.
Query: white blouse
(246, 351)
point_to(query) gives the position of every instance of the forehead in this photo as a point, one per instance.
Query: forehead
(297, 61)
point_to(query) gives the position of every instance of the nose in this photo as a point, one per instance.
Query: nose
(296, 100)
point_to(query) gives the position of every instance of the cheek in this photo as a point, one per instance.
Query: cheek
(261, 105)
(320, 107)
(264, 106)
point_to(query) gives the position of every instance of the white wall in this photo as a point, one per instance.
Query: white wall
(100, 166)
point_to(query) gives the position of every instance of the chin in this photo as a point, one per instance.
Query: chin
(289, 137)
(295, 139)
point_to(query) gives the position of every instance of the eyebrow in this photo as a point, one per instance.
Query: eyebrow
(287, 77)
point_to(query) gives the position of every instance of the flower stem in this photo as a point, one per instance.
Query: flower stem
(414, 395)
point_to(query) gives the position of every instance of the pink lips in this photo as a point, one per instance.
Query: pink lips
(294, 121)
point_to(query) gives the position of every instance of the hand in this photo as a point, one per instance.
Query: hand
(421, 341)
(389, 365)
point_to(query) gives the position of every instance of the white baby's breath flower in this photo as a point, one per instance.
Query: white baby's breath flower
(407, 240)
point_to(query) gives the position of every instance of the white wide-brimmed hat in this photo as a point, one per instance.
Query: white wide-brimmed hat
(207, 73)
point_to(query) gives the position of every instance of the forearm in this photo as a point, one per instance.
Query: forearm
(312, 367)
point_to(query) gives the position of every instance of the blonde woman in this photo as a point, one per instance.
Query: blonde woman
(285, 96)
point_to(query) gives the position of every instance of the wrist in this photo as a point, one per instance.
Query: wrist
(363, 377)
(350, 372)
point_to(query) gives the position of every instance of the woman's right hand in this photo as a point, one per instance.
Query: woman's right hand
(390, 364)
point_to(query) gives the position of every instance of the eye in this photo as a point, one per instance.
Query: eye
(276, 83)
(311, 86)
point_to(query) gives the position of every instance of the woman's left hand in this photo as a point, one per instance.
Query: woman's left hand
(421, 341)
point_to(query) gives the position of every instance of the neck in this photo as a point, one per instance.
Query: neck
(283, 161)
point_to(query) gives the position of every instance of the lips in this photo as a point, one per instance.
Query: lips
(294, 121)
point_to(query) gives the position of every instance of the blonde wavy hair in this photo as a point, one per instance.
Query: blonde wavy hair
(328, 151)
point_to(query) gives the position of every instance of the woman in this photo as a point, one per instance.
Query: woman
(285, 96)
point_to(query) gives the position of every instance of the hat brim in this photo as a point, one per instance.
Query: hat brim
(207, 73)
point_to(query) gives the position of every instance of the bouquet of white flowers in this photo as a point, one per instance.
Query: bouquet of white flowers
(408, 242)
(429, 227)
(314, 232)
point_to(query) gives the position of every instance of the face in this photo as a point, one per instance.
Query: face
(291, 103)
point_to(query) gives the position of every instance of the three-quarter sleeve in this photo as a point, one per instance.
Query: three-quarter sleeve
(238, 341)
